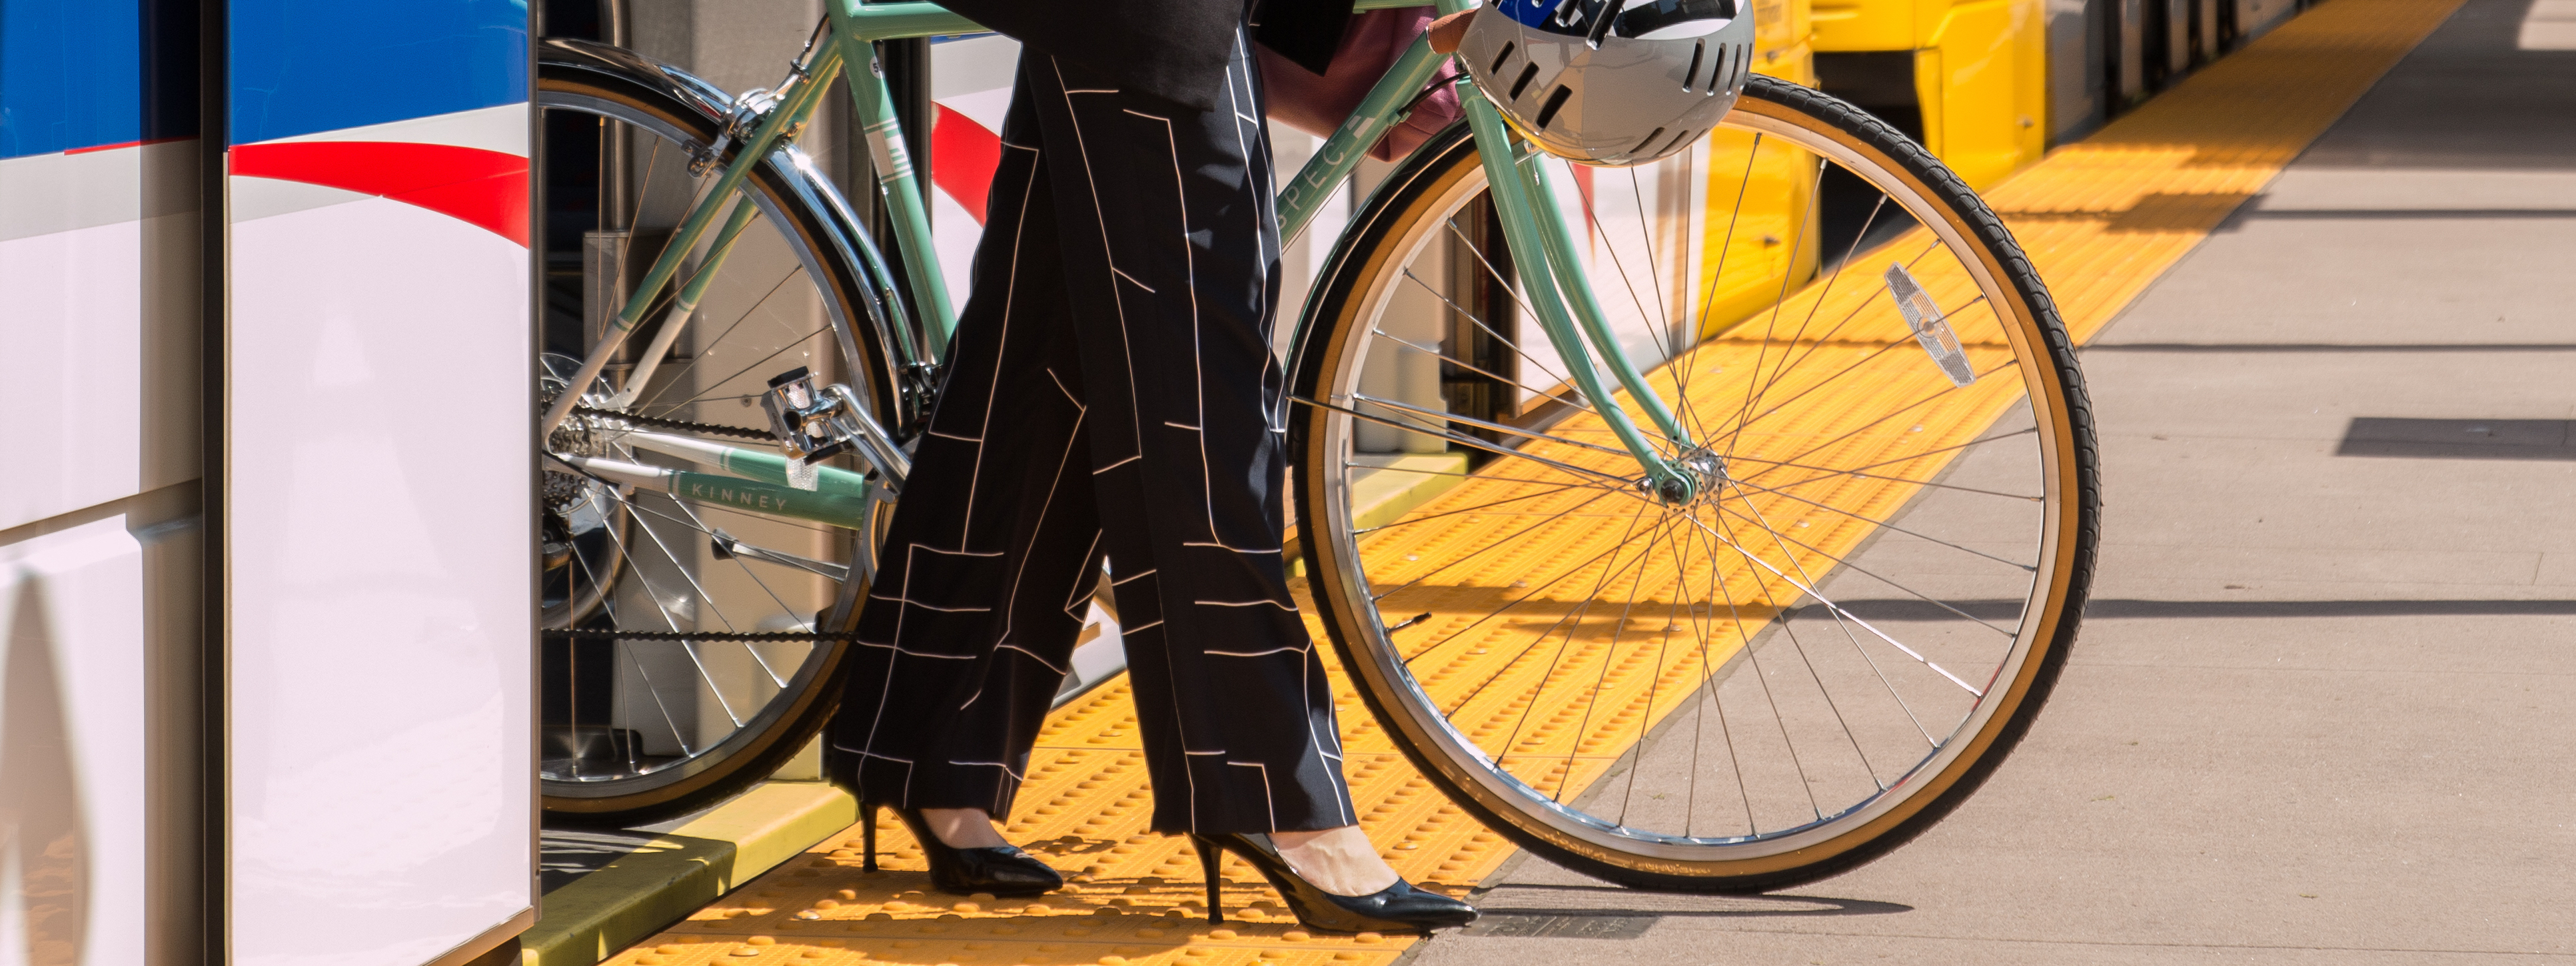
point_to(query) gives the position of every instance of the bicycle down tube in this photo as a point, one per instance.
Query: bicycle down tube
(1567, 310)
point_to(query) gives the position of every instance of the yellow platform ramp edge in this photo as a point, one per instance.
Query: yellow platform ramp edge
(2101, 219)
(680, 870)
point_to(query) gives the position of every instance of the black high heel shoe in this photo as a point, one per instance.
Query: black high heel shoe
(1396, 907)
(999, 871)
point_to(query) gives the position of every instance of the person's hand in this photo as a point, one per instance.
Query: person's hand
(1448, 32)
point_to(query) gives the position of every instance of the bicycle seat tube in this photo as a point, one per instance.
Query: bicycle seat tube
(795, 102)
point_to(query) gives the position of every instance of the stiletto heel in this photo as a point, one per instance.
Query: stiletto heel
(1396, 907)
(868, 839)
(1001, 870)
(1210, 857)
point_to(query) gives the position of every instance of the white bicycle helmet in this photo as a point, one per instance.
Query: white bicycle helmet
(1610, 82)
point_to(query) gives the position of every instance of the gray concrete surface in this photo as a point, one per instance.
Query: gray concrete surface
(2321, 708)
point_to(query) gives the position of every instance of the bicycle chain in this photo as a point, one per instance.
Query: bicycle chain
(618, 635)
(655, 422)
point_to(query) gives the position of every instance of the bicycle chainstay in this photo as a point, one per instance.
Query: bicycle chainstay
(607, 634)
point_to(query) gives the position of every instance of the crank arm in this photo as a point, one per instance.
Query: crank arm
(727, 545)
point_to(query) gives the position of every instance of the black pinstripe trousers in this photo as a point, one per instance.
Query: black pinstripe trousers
(1112, 394)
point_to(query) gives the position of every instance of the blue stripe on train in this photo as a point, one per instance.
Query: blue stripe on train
(84, 73)
(302, 66)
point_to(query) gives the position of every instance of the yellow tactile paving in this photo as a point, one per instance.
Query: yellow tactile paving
(2104, 217)
(1134, 897)
(2101, 219)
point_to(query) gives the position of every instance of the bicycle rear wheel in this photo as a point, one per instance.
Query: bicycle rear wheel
(691, 642)
(1815, 658)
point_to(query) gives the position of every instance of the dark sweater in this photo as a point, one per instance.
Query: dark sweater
(1172, 49)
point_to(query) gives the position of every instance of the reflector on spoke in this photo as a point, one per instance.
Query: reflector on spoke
(1929, 327)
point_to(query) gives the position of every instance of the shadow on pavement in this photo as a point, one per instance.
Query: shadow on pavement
(1581, 901)
(2126, 609)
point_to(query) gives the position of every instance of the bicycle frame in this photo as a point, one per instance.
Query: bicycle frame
(1567, 310)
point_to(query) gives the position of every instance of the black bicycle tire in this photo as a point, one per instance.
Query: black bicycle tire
(622, 77)
(1325, 325)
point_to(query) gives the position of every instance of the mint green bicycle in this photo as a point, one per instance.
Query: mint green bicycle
(1716, 523)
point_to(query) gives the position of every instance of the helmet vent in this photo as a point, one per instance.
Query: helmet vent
(1527, 74)
(1725, 63)
(1690, 78)
(1677, 139)
(1554, 101)
(1647, 142)
(1502, 58)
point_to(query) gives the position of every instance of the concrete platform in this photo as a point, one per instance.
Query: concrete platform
(2320, 709)
(2313, 715)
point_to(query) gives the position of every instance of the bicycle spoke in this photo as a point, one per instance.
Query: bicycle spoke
(1616, 263)
(1750, 557)
(1499, 611)
(1883, 524)
(1810, 578)
(1725, 248)
(1463, 439)
(1771, 323)
(1845, 564)
(1410, 519)
(1861, 471)
(1752, 655)
(655, 690)
(1508, 292)
(692, 365)
(658, 570)
(1822, 384)
(1471, 367)
(1576, 615)
(700, 525)
(1480, 476)
(1892, 414)
(1825, 473)
(1496, 544)
(1626, 610)
(1663, 638)
(1817, 678)
(678, 565)
(1561, 379)
(1446, 416)
(1863, 305)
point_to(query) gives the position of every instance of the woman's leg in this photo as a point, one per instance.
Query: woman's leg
(994, 548)
(1175, 295)
(1165, 267)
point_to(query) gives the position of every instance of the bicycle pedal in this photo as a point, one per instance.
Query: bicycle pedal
(811, 423)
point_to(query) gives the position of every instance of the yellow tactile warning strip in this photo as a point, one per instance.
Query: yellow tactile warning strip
(2101, 219)
(2104, 217)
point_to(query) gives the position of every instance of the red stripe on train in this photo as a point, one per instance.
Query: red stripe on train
(963, 155)
(484, 188)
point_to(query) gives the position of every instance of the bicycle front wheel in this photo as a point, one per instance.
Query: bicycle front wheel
(1831, 644)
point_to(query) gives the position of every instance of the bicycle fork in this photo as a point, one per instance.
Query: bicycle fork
(1568, 311)
(1534, 228)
